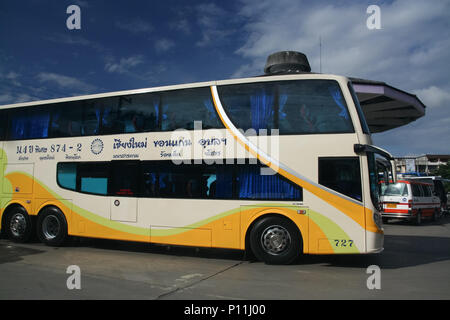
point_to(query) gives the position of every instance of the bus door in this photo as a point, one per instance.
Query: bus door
(124, 190)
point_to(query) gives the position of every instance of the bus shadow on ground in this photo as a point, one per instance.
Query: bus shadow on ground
(169, 250)
(10, 252)
(400, 251)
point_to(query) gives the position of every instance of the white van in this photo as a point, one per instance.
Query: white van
(438, 189)
(410, 199)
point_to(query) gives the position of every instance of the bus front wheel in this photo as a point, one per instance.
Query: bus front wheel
(18, 224)
(52, 227)
(275, 240)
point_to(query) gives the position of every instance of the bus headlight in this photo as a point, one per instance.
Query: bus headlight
(378, 219)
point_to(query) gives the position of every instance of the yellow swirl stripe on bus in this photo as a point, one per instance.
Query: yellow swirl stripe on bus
(352, 209)
(101, 227)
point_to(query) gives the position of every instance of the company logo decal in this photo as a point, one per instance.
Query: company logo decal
(97, 146)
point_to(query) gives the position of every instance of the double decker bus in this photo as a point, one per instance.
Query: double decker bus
(279, 165)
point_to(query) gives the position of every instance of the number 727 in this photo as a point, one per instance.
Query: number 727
(343, 243)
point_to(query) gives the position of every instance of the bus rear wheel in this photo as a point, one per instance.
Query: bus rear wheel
(52, 227)
(275, 240)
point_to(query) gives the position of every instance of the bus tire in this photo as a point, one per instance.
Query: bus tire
(18, 224)
(52, 227)
(275, 240)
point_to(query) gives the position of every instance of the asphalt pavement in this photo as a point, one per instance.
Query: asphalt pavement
(414, 265)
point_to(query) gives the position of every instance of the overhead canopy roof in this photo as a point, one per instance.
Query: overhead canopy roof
(386, 107)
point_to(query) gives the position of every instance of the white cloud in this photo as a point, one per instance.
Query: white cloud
(74, 40)
(124, 65)
(182, 25)
(215, 24)
(6, 98)
(163, 45)
(65, 82)
(434, 97)
(15, 97)
(11, 78)
(135, 26)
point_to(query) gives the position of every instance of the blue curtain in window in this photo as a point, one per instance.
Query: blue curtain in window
(97, 115)
(18, 124)
(106, 122)
(38, 125)
(209, 106)
(339, 100)
(29, 126)
(156, 107)
(253, 185)
(282, 99)
(165, 123)
(262, 110)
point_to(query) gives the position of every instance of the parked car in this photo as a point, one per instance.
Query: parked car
(437, 188)
(410, 199)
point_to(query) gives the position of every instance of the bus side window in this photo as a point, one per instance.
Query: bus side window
(67, 175)
(149, 187)
(29, 123)
(91, 118)
(93, 177)
(181, 108)
(342, 175)
(251, 184)
(217, 182)
(138, 113)
(124, 178)
(66, 120)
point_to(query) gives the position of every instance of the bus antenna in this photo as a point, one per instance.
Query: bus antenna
(320, 54)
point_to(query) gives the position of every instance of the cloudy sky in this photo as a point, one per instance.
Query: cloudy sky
(135, 44)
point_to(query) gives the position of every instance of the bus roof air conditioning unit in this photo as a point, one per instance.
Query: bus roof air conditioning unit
(286, 62)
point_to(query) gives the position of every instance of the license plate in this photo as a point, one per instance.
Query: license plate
(391, 205)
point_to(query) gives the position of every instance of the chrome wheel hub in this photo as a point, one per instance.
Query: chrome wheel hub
(50, 227)
(18, 224)
(275, 240)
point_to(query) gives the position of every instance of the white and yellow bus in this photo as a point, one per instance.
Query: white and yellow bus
(281, 165)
